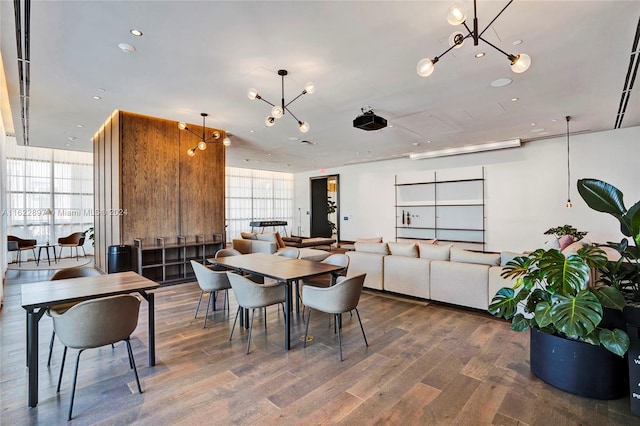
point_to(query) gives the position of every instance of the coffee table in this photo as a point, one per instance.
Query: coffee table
(46, 247)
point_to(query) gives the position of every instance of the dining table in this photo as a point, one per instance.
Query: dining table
(280, 268)
(38, 297)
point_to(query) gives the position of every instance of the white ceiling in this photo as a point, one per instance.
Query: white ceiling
(203, 56)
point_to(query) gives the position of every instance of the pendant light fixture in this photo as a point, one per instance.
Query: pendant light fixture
(202, 145)
(278, 111)
(457, 15)
(569, 203)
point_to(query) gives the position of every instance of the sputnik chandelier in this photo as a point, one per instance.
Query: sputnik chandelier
(457, 15)
(202, 145)
(278, 111)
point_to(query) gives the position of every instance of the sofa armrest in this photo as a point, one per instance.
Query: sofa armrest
(253, 246)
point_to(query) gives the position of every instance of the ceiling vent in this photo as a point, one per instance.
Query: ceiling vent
(369, 121)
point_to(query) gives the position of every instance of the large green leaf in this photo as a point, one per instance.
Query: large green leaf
(632, 219)
(609, 297)
(566, 275)
(594, 256)
(578, 315)
(538, 295)
(504, 303)
(617, 341)
(601, 196)
(519, 323)
(542, 315)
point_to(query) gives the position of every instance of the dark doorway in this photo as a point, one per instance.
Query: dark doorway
(325, 207)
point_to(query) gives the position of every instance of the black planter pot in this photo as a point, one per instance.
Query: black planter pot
(577, 367)
(632, 315)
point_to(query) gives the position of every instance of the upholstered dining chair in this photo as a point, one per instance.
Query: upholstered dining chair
(63, 274)
(74, 240)
(251, 296)
(23, 245)
(327, 280)
(94, 323)
(338, 299)
(210, 281)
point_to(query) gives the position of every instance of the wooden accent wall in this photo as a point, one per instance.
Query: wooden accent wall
(146, 186)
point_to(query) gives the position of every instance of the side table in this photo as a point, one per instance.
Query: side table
(46, 247)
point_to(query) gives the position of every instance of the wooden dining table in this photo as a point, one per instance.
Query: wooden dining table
(39, 296)
(279, 268)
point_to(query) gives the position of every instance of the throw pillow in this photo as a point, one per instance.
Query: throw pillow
(268, 236)
(369, 240)
(377, 248)
(508, 256)
(551, 244)
(466, 256)
(248, 235)
(280, 240)
(572, 248)
(403, 249)
(435, 251)
(565, 241)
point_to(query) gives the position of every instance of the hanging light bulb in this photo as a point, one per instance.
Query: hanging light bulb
(191, 152)
(202, 145)
(277, 111)
(304, 127)
(252, 93)
(226, 141)
(521, 63)
(425, 67)
(182, 125)
(456, 39)
(269, 121)
(309, 88)
(215, 135)
(456, 14)
(569, 204)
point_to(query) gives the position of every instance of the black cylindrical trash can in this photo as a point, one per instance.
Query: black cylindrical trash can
(119, 259)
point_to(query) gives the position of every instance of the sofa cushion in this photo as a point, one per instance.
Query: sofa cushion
(551, 244)
(371, 264)
(508, 256)
(369, 240)
(435, 251)
(248, 235)
(378, 248)
(565, 241)
(463, 284)
(403, 249)
(572, 248)
(279, 240)
(466, 256)
(406, 275)
(268, 236)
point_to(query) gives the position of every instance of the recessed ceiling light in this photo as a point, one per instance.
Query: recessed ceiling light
(479, 54)
(100, 89)
(501, 82)
(72, 138)
(416, 144)
(533, 124)
(537, 130)
(126, 48)
(135, 32)
(514, 99)
(390, 125)
(251, 131)
(517, 42)
(97, 98)
(68, 144)
(269, 154)
(554, 120)
(79, 125)
(428, 141)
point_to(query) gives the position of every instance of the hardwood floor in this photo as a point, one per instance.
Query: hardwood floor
(426, 364)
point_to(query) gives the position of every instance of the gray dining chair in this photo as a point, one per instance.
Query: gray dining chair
(338, 299)
(211, 282)
(252, 296)
(95, 323)
(327, 280)
(64, 274)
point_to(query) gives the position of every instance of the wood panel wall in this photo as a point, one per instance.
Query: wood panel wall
(146, 186)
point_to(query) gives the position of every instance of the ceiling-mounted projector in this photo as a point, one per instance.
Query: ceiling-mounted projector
(369, 121)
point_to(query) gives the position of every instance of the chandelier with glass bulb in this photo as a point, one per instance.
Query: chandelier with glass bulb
(202, 145)
(278, 111)
(457, 15)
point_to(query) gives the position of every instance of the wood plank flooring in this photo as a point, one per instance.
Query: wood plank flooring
(427, 364)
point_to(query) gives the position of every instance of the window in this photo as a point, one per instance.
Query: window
(49, 192)
(256, 195)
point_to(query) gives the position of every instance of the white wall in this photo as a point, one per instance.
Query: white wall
(526, 189)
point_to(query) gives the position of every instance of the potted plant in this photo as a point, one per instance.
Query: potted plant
(561, 231)
(90, 234)
(570, 348)
(622, 273)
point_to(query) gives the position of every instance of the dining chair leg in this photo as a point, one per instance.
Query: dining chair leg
(206, 313)
(198, 307)
(53, 336)
(133, 363)
(73, 387)
(64, 358)
(83, 252)
(34, 257)
(234, 322)
(253, 314)
(306, 329)
(362, 328)
(339, 337)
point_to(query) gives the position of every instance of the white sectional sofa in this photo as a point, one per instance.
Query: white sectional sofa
(431, 271)
(268, 242)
